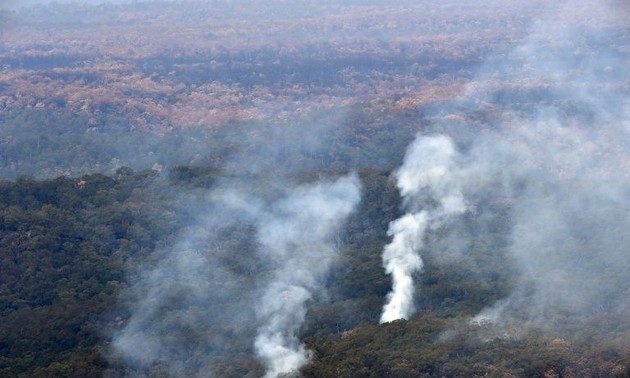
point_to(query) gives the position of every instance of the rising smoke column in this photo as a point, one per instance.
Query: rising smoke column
(297, 239)
(429, 182)
(192, 306)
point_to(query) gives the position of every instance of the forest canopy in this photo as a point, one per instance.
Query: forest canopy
(319, 189)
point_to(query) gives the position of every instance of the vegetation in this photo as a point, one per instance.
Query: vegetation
(118, 120)
(65, 245)
(68, 244)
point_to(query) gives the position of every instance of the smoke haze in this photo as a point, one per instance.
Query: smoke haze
(553, 153)
(556, 154)
(284, 241)
(280, 100)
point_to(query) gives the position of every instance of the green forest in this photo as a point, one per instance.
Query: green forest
(71, 247)
(284, 189)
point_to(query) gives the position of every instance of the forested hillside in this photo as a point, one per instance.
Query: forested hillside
(322, 189)
(65, 243)
(68, 244)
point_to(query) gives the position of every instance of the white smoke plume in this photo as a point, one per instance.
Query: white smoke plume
(429, 182)
(192, 306)
(297, 238)
(553, 149)
(543, 135)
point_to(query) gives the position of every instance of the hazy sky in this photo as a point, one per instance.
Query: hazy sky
(13, 4)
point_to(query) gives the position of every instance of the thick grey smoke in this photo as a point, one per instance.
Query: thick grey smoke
(569, 206)
(193, 302)
(298, 239)
(571, 160)
(428, 174)
(555, 144)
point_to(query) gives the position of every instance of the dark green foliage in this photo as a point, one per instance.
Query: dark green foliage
(429, 346)
(64, 248)
(66, 244)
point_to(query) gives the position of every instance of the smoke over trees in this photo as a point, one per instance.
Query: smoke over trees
(321, 189)
(427, 175)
